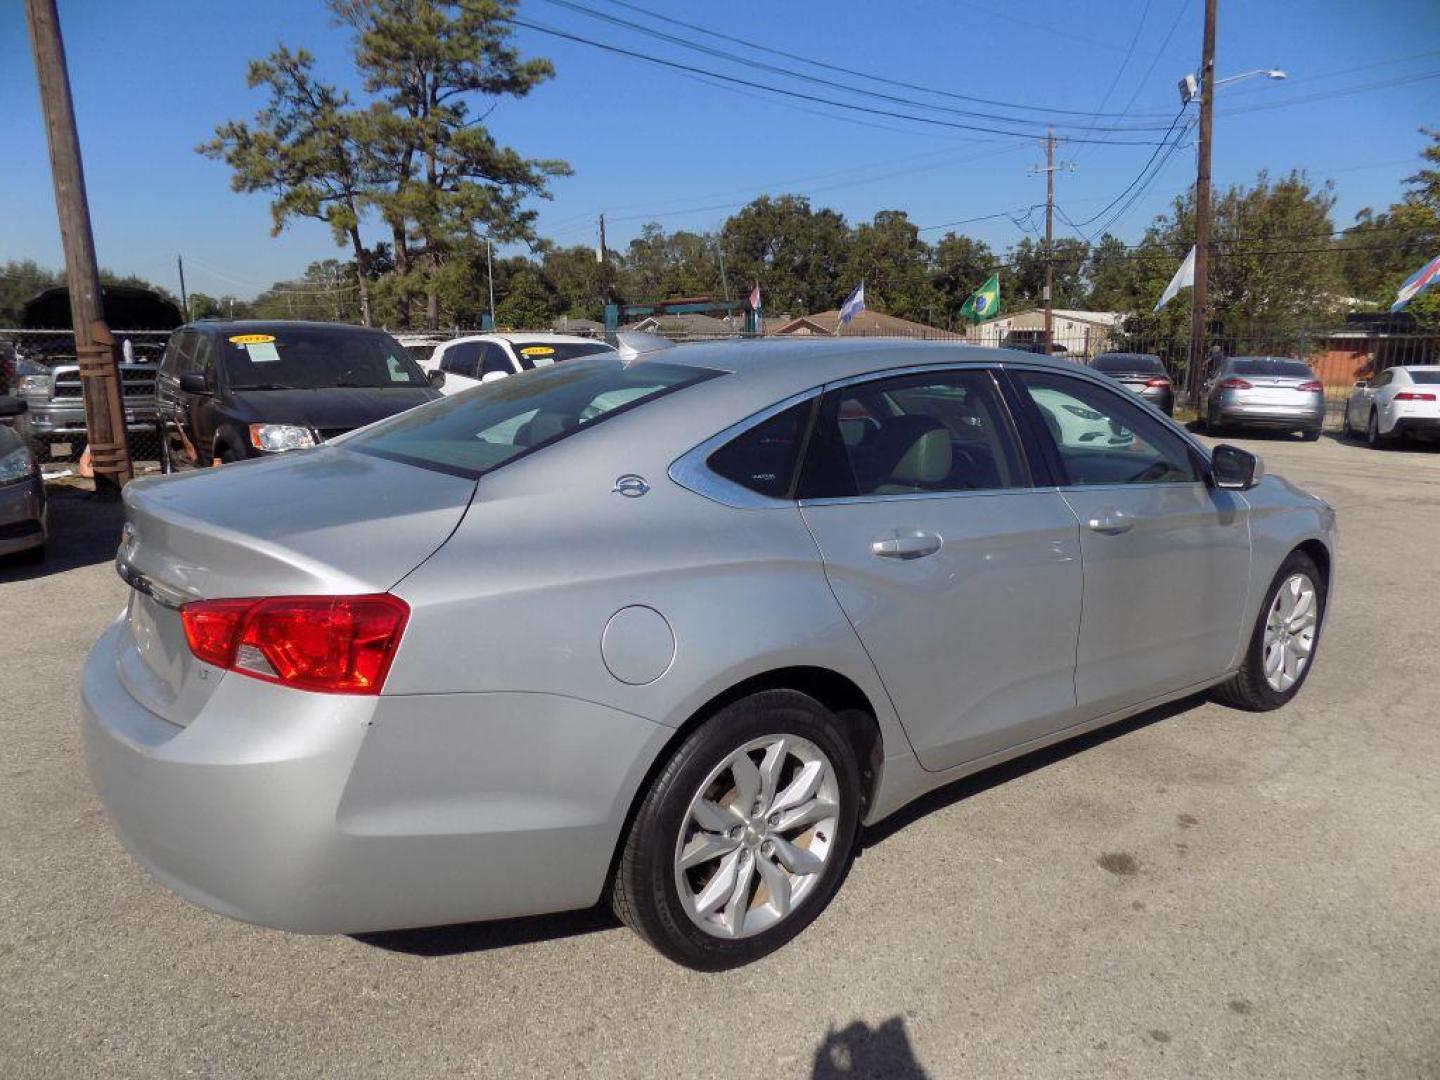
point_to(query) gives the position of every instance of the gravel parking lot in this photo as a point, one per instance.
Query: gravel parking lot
(1199, 892)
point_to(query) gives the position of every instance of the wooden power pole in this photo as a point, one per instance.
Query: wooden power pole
(94, 347)
(1049, 229)
(1202, 208)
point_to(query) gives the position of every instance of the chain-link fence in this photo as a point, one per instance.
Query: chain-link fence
(40, 367)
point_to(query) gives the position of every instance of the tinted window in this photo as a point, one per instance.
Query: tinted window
(462, 358)
(1425, 378)
(315, 357)
(763, 459)
(204, 358)
(171, 362)
(540, 354)
(1136, 362)
(1272, 367)
(913, 434)
(1104, 439)
(495, 360)
(1385, 378)
(476, 432)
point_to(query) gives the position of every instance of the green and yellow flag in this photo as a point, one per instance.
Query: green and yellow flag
(984, 303)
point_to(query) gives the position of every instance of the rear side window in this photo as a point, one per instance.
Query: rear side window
(474, 433)
(764, 458)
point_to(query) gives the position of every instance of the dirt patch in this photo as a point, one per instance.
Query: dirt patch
(1119, 863)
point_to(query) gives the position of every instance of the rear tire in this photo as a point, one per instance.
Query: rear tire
(1255, 687)
(1373, 437)
(692, 820)
(1310, 434)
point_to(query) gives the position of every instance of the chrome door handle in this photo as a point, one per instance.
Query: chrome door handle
(1111, 522)
(906, 544)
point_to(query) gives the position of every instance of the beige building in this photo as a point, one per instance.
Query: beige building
(1079, 333)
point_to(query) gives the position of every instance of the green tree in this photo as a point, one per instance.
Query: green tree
(798, 255)
(1026, 274)
(889, 256)
(20, 280)
(960, 266)
(1112, 278)
(441, 178)
(303, 147)
(579, 281)
(528, 304)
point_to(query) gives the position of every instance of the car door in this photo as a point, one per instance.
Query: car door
(461, 364)
(204, 412)
(1382, 400)
(960, 576)
(1166, 556)
(175, 406)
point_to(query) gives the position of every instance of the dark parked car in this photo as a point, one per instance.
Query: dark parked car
(22, 491)
(1141, 373)
(234, 390)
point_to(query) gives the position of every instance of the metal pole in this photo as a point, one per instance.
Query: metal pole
(1202, 208)
(490, 278)
(184, 299)
(94, 347)
(1049, 225)
(724, 285)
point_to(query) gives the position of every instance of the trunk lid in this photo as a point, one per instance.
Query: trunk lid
(323, 521)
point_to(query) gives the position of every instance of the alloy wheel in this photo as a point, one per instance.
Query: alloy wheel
(1290, 628)
(757, 836)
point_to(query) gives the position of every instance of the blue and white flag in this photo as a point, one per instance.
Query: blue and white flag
(1417, 283)
(856, 303)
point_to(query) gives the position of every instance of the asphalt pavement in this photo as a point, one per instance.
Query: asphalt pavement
(1196, 893)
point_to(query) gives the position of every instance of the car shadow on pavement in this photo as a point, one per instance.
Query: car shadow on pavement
(859, 1050)
(503, 933)
(960, 790)
(84, 530)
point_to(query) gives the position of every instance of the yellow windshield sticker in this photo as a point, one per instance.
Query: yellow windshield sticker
(252, 339)
(537, 350)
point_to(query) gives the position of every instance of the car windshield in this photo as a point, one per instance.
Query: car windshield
(314, 358)
(473, 433)
(542, 353)
(1425, 378)
(1269, 365)
(1137, 362)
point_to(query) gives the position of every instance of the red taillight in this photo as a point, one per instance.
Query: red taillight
(330, 644)
(1233, 383)
(1411, 395)
(1157, 382)
(1313, 384)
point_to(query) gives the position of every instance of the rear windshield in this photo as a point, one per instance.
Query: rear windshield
(472, 433)
(1137, 362)
(542, 353)
(1270, 366)
(1425, 378)
(309, 358)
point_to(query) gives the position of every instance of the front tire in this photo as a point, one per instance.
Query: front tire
(1281, 650)
(745, 835)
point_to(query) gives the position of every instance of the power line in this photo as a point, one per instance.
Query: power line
(674, 65)
(848, 71)
(791, 73)
(1124, 62)
(1080, 225)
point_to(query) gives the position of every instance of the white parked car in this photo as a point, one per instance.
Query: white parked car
(1397, 403)
(469, 361)
(420, 346)
(1072, 424)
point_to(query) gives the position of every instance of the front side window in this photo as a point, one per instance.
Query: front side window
(1102, 438)
(473, 433)
(913, 434)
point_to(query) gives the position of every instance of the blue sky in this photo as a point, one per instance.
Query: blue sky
(151, 78)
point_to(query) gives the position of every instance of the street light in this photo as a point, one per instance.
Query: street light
(1190, 84)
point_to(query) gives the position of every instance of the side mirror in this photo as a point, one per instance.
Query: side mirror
(1233, 469)
(437, 378)
(13, 406)
(1363, 384)
(192, 382)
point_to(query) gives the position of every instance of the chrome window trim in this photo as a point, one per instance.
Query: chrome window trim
(691, 471)
(914, 496)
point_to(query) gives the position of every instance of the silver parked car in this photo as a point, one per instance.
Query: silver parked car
(673, 627)
(1266, 392)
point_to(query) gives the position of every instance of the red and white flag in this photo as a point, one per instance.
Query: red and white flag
(755, 297)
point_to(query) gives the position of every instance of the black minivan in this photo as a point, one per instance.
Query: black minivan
(228, 391)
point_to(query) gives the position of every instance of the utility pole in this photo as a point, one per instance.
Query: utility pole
(94, 347)
(490, 279)
(184, 299)
(1050, 167)
(1202, 207)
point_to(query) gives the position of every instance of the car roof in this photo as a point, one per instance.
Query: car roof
(826, 360)
(253, 326)
(529, 339)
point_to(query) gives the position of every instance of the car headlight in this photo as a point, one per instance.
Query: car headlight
(33, 385)
(16, 465)
(277, 438)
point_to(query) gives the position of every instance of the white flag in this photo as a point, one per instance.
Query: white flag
(1184, 279)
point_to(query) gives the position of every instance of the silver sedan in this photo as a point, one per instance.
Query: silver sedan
(669, 630)
(1270, 392)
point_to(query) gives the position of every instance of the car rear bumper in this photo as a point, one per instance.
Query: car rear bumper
(339, 814)
(23, 517)
(1309, 415)
(1420, 427)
